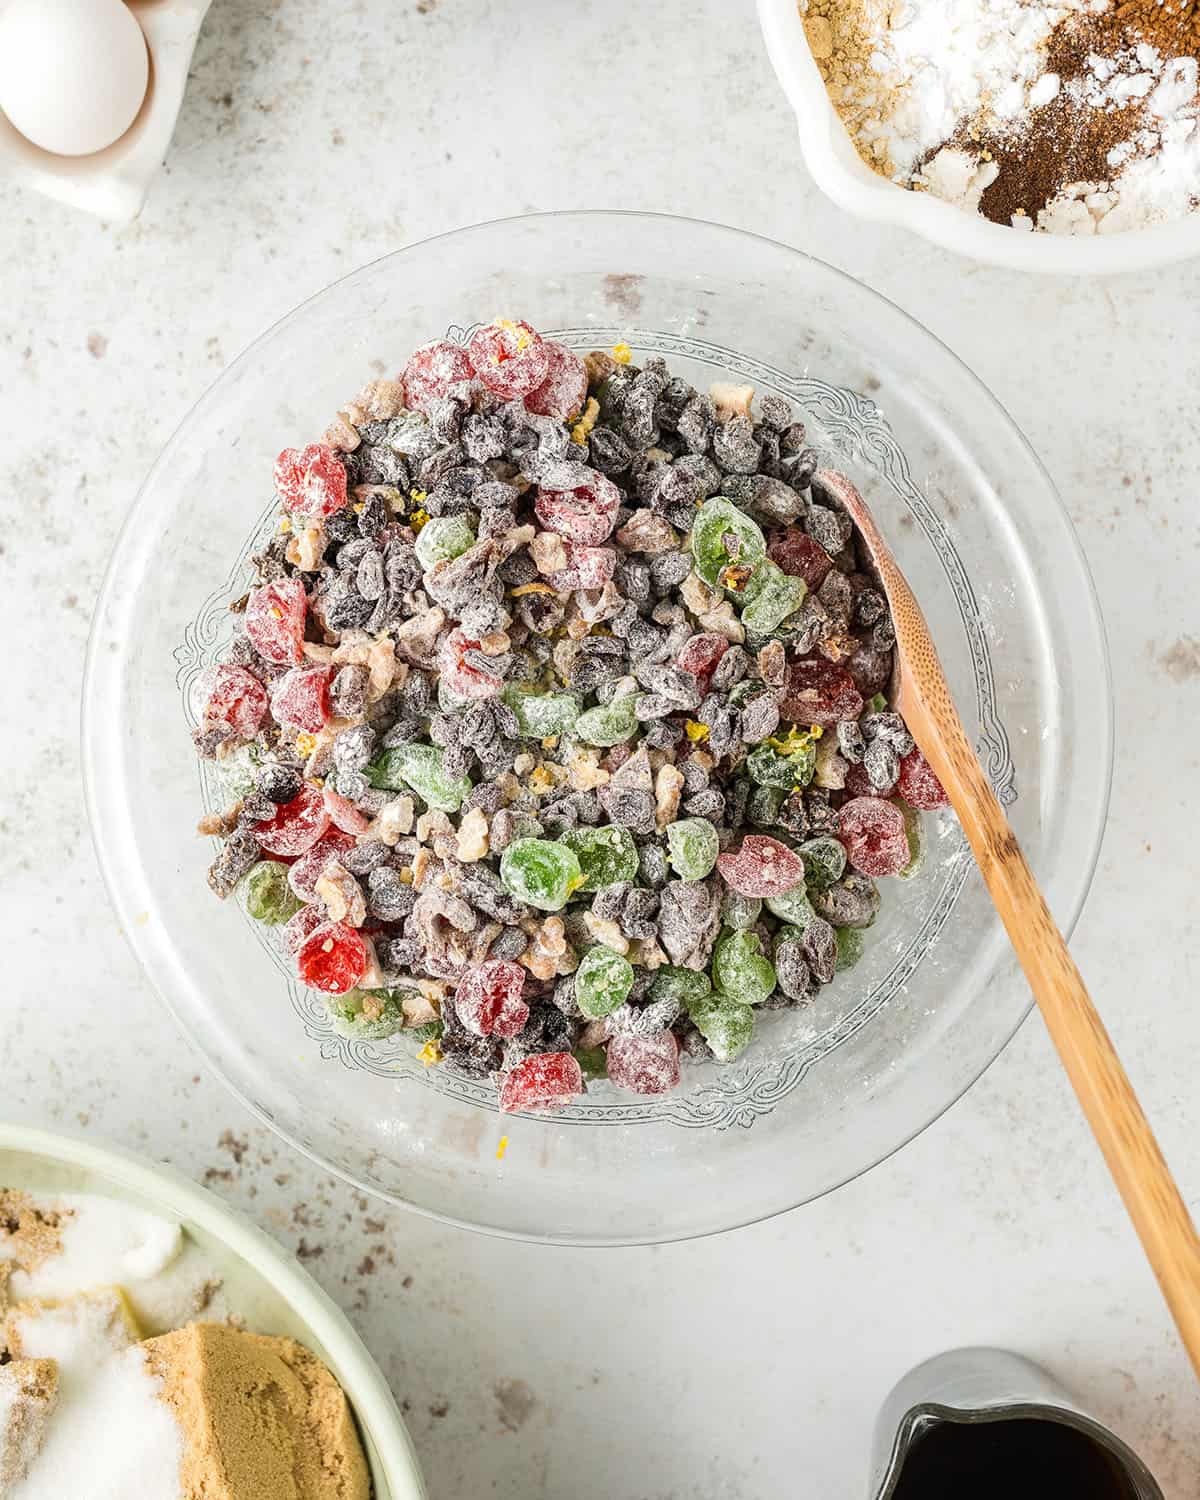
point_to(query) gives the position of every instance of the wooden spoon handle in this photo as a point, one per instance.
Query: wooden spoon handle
(1143, 1178)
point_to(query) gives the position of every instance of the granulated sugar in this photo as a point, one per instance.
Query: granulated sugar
(1079, 116)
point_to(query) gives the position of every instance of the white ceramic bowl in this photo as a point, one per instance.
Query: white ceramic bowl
(842, 174)
(264, 1284)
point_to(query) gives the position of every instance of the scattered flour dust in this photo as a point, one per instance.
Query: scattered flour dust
(950, 96)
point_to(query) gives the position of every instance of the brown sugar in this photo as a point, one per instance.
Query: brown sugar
(259, 1416)
(29, 1235)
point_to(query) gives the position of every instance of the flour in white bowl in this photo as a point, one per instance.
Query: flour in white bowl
(1065, 117)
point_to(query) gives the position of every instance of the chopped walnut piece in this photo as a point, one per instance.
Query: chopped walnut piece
(433, 821)
(382, 399)
(222, 823)
(342, 435)
(549, 552)
(645, 532)
(585, 771)
(342, 894)
(392, 822)
(381, 663)
(730, 400)
(668, 787)
(419, 1009)
(697, 595)
(472, 840)
(549, 953)
(723, 620)
(647, 953)
(307, 548)
(606, 932)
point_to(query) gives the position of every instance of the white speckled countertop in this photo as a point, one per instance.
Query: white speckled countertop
(314, 137)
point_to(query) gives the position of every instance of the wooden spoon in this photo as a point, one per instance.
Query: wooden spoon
(1139, 1170)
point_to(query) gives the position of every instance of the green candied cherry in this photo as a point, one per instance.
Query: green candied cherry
(540, 872)
(371, 1015)
(428, 1031)
(724, 538)
(877, 704)
(738, 911)
(824, 862)
(602, 982)
(787, 762)
(542, 714)
(764, 805)
(792, 907)
(593, 1063)
(688, 986)
(441, 538)
(606, 855)
(766, 768)
(914, 828)
(725, 1025)
(740, 970)
(608, 723)
(850, 945)
(692, 847)
(238, 772)
(269, 898)
(419, 768)
(771, 596)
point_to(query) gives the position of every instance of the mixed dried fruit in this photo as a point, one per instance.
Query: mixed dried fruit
(554, 731)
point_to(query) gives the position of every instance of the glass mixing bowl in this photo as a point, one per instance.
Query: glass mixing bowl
(824, 1092)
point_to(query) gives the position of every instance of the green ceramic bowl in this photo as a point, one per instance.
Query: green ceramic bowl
(263, 1283)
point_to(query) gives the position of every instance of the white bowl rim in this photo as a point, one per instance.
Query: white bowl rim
(163, 1185)
(825, 145)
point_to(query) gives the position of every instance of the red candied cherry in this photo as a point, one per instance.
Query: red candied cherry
(462, 679)
(332, 958)
(235, 697)
(796, 553)
(819, 692)
(547, 1080)
(700, 656)
(761, 866)
(343, 813)
(488, 999)
(297, 825)
(564, 389)
(301, 698)
(919, 785)
(645, 1064)
(298, 927)
(585, 515)
(432, 370)
(275, 620)
(594, 566)
(587, 568)
(311, 481)
(304, 874)
(874, 835)
(509, 357)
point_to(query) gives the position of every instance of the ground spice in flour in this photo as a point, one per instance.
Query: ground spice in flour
(1069, 116)
(1067, 139)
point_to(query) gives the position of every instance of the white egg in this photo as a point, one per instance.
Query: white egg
(73, 73)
